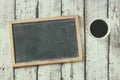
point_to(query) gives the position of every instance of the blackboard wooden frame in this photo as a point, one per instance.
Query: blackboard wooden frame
(32, 63)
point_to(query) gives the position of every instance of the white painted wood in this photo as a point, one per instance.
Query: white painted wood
(66, 71)
(44, 72)
(25, 9)
(96, 50)
(28, 73)
(49, 8)
(114, 59)
(5, 57)
(75, 70)
(6, 71)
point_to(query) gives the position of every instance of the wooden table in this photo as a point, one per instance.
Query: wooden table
(101, 57)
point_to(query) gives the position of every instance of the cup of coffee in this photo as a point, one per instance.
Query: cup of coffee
(99, 28)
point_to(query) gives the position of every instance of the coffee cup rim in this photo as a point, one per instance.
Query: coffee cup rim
(106, 20)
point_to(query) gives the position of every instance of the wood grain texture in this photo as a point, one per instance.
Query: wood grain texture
(25, 9)
(5, 58)
(96, 49)
(49, 8)
(114, 50)
(74, 71)
(6, 71)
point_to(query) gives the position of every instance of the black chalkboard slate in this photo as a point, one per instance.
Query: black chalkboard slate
(45, 40)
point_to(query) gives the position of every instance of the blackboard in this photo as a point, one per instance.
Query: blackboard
(44, 41)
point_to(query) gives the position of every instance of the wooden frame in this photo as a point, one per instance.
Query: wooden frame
(79, 58)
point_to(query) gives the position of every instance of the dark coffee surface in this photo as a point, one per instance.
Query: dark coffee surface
(99, 28)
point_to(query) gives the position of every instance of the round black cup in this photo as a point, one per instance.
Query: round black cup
(99, 28)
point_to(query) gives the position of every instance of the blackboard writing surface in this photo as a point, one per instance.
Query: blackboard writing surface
(45, 41)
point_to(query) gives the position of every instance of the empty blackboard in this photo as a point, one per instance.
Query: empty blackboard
(45, 41)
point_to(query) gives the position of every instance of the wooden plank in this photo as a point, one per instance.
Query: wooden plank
(25, 9)
(25, 73)
(5, 58)
(96, 49)
(49, 8)
(114, 50)
(74, 71)
(6, 71)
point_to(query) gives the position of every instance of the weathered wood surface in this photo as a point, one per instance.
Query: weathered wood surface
(102, 58)
(114, 41)
(6, 70)
(96, 50)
